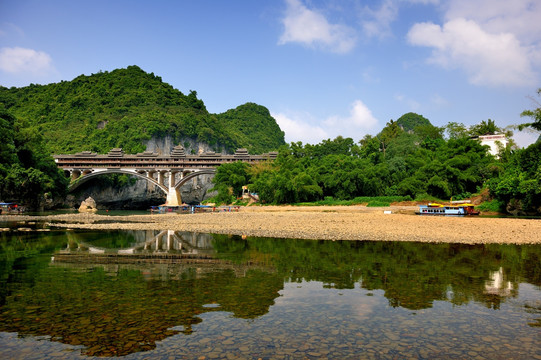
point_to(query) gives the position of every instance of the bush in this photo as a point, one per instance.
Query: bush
(494, 205)
(376, 203)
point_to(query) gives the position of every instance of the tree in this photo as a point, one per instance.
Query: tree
(484, 128)
(429, 132)
(229, 180)
(389, 132)
(456, 130)
(7, 145)
(409, 121)
(534, 114)
(519, 185)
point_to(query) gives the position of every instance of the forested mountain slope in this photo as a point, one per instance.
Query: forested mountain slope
(127, 107)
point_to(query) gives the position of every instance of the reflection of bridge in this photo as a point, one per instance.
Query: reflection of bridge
(166, 254)
(165, 242)
(167, 172)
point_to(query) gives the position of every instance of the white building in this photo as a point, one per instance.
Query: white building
(494, 141)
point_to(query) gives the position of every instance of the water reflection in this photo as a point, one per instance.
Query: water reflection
(157, 255)
(144, 242)
(119, 293)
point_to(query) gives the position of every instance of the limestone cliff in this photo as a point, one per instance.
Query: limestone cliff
(164, 145)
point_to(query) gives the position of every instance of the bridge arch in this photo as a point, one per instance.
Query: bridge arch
(83, 179)
(192, 175)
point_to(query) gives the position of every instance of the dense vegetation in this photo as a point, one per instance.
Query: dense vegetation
(341, 169)
(123, 108)
(27, 171)
(408, 159)
(126, 107)
(518, 186)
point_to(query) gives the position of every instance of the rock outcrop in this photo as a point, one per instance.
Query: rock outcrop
(88, 205)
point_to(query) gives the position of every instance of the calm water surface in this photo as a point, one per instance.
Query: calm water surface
(179, 295)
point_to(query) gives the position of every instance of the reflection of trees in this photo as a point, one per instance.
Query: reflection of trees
(115, 313)
(16, 248)
(413, 275)
(115, 316)
(120, 311)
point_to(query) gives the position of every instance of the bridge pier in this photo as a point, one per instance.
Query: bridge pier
(173, 195)
(161, 177)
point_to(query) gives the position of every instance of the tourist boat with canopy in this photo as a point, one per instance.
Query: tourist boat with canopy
(452, 209)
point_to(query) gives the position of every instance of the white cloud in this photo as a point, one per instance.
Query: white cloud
(519, 17)
(303, 127)
(496, 42)
(25, 61)
(489, 59)
(380, 21)
(360, 120)
(297, 129)
(311, 28)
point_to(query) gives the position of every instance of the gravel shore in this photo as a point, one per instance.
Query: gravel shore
(319, 222)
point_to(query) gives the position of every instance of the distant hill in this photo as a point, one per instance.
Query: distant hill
(408, 122)
(127, 107)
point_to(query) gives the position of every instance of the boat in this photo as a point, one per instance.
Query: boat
(453, 209)
(184, 208)
(11, 208)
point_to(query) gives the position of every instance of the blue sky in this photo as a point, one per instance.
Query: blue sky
(322, 68)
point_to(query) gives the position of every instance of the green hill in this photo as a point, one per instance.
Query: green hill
(126, 107)
(410, 121)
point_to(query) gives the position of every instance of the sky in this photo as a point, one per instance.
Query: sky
(323, 68)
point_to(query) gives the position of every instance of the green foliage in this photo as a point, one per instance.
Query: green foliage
(534, 114)
(126, 107)
(27, 172)
(456, 130)
(391, 131)
(484, 128)
(253, 128)
(518, 186)
(520, 182)
(410, 121)
(229, 180)
(360, 200)
(378, 204)
(493, 205)
(341, 172)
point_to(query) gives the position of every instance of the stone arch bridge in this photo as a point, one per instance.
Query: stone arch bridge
(167, 172)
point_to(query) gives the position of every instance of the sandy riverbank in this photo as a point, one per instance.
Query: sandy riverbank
(321, 222)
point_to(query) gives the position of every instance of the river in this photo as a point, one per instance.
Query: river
(175, 295)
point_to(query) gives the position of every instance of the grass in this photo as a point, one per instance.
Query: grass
(375, 203)
(368, 200)
(492, 206)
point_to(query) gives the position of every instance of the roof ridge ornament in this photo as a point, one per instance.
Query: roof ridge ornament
(178, 151)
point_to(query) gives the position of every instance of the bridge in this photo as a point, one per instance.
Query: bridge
(167, 172)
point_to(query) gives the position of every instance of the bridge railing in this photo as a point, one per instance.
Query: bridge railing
(117, 159)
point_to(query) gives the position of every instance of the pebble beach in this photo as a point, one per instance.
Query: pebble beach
(395, 223)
